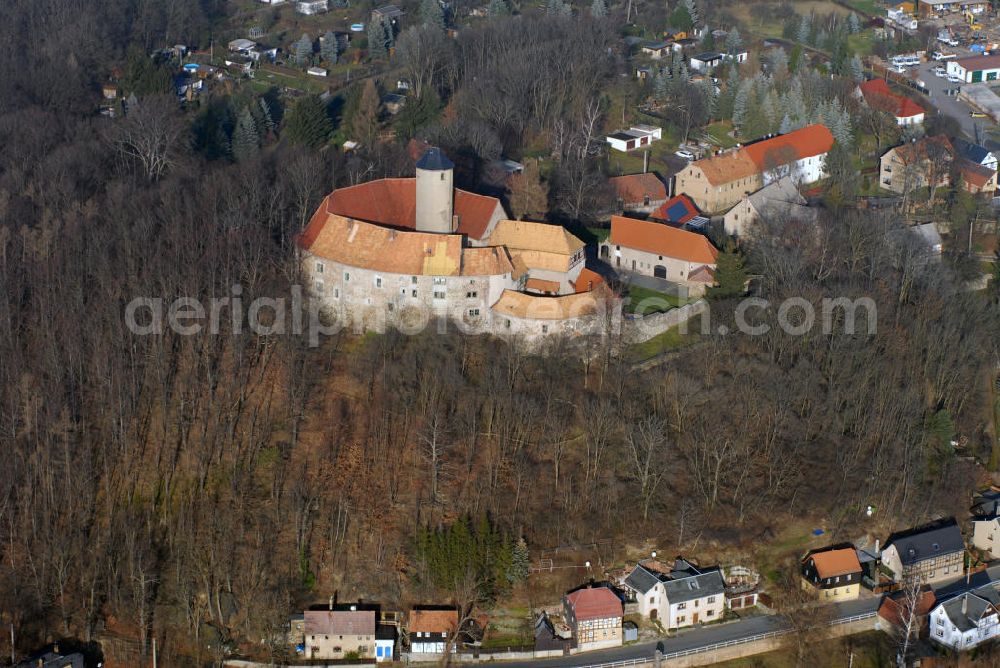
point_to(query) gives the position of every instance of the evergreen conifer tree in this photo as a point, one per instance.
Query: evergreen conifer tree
(246, 140)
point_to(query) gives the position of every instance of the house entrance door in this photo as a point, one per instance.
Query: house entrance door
(694, 618)
(652, 614)
(659, 271)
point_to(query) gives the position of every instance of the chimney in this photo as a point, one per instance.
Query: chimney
(965, 605)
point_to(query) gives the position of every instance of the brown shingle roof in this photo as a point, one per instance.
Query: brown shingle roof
(367, 246)
(633, 188)
(979, 62)
(727, 167)
(488, 261)
(976, 175)
(340, 622)
(587, 280)
(537, 245)
(895, 607)
(433, 621)
(594, 603)
(662, 240)
(831, 563)
(534, 307)
(541, 285)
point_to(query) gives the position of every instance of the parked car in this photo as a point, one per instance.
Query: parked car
(939, 72)
(684, 153)
(955, 79)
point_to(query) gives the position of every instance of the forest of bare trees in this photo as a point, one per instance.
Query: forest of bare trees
(196, 487)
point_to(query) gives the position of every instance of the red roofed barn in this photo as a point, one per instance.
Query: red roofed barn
(639, 192)
(595, 616)
(655, 249)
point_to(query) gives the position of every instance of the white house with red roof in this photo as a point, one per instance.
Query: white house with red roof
(877, 95)
(595, 616)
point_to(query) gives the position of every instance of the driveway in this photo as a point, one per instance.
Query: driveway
(693, 639)
(950, 104)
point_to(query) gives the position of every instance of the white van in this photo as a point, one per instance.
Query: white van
(941, 57)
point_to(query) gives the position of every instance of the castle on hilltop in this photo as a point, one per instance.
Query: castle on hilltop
(405, 251)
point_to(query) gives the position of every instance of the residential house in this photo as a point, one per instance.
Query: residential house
(975, 153)
(595, 616)
(709, 60)
(657, 50)
(244, 46)
(637, 136)
(917, 164)
(646, 585)
(680, 210)
(638, 192)
(385, 642)
(431, 630)
(693, 595)
(932, 8)
(986, 523)
(833, 573)
(966, 620)
(310, 7)
(877, 95)
(655, 249)
(778, 201)
(977, 179)
(387, 13)
(339, 634)
(109, 91)
(928, 554)
(718, 182)
(895, 610)
(53, 658)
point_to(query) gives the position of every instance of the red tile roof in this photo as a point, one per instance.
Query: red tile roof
(634, 188)
(587, 280)
(895, 606)
(679, 209)
(594, 603)
(433, 621)
(975, 175)
(979, 63)
(806, 142)
(393, 202)
(831, 563)
(662, 239)
(879, 96)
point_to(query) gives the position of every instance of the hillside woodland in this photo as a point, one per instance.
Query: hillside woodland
(194, 487)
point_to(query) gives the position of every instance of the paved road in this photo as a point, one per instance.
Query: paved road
(950, 104)
(690, 638)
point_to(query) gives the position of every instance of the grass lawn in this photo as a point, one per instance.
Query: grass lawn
(862, 43)
(599, 234)
(672, 339)
(664, 302)
(867, 6)
(719, 132)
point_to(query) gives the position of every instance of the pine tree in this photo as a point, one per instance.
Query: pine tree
(730, 274)
(246, 140)
(842, 130)
(329, 49)
(307, 123)
(661, 87)
(499, 8)
(432, 13)
(377, 42)
(741, 102)
(734, 42)
(692, 10)
(709, 96)
(599, 9)
(264, 118)
(805, 29)
(853, 24)
(558, 8)
(857, 68)
(520, 565)
(786, 125)
(303, 50)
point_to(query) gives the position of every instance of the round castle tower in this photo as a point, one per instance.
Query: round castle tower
(435, 193)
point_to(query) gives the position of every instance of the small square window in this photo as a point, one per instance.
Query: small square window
(413, 280)
(319, 267)
(378, 281)
(347, 276)
(413, 293)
